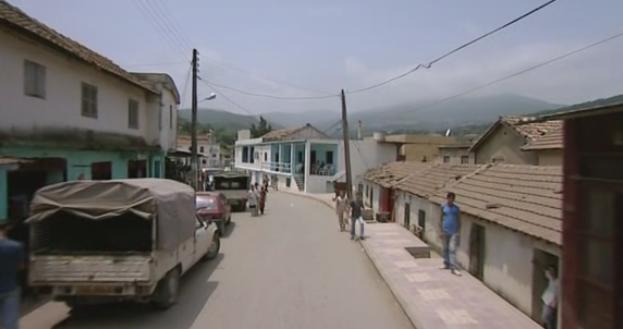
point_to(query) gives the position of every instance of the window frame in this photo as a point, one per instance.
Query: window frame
(88, 91)
(133, 114)
(35, 83)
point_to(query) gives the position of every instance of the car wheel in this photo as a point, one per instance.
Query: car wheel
(168, 289)
(228, 220)
(215, 247)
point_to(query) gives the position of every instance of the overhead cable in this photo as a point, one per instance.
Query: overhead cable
(249, 93)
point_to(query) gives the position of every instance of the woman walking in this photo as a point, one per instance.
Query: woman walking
(252, 201)
(340, 208)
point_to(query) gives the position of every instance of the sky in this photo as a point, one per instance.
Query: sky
(313, 48)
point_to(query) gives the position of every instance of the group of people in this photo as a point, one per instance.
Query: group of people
(256, 198)
(355, 207)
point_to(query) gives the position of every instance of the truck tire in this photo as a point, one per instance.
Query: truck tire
(168, 289)
(215, 247)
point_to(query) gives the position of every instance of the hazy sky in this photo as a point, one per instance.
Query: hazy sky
(325, 45)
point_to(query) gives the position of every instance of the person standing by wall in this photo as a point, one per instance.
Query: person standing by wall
(263, 192)
(449, 228)
(11, 261)
(550, 299)
(252, 201)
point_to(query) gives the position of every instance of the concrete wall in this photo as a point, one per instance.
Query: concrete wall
(508, 267)
(366, 154)
(454, 156)
(60, 110)
(549, 157)
(317, 184)
(504, 143)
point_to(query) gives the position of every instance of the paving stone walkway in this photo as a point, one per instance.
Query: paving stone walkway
(434, 298)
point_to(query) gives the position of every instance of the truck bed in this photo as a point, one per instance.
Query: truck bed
(46, 269)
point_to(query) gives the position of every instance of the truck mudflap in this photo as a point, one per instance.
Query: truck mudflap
(85, 270)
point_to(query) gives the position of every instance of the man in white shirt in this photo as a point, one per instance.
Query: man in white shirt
(550, 299)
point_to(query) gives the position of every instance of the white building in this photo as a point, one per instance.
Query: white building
(208, 150)
(305, 159)
(73, 113)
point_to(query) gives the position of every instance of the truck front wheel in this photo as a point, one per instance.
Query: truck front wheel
(168, 289)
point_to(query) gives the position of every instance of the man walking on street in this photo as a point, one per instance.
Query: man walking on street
(11, 261)
(356, 208)
(449, 228)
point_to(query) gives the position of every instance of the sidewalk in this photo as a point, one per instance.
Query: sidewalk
(45, 316)
(435, 298)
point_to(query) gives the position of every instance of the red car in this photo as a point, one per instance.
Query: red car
(213, 207)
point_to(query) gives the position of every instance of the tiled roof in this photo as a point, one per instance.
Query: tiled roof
(388, 175)
(531, 129)
(549, 141)
(15, 18)
(524, 198)
(281, 134)
(428, 181)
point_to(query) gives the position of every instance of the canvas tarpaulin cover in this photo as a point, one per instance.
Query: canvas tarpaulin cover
(170, 203)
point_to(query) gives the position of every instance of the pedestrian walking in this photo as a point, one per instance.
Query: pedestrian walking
(449, 228)
(263, 192)
(11, 261)
(340, 208)
(356, 208)
(550, 299)
(252, 201)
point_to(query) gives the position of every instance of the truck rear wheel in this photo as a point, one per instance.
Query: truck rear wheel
(215, 247)
(168, 290)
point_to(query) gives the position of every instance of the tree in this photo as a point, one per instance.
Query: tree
(262, 128)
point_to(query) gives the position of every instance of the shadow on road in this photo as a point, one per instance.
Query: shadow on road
(229, 229)
(195, 289)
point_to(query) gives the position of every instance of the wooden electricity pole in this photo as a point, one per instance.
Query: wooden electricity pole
(345, 133)
(193, 127)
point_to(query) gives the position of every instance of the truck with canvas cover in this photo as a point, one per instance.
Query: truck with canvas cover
(235, 186)
(116, 240)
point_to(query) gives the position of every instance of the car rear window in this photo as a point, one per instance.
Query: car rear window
(206, 202)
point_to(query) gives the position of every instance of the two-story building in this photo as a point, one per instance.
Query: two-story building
(306, 159)
(208, 149)
(69, 113)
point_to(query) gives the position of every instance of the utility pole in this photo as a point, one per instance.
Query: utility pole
(193, 127)
(349, 177)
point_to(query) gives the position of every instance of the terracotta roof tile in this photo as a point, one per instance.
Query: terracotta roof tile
(524, 198)
(281, 134)
(428, 181)
(17, 19)
(389, 175)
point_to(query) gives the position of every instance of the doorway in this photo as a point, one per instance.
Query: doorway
(138, 168)
(407, 216)
(101, 170)
(477, 251)
(421, 222)
(541, 260)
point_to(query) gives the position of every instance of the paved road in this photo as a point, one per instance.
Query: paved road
(289, 269)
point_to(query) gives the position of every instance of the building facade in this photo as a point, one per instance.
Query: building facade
(208, 150)
(69, 113)
(305, 159)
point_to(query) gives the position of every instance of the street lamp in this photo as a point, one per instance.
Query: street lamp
(209, 98)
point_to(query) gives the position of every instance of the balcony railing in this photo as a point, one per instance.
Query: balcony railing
(284, 167)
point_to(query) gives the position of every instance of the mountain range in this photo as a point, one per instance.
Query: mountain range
(410, 117)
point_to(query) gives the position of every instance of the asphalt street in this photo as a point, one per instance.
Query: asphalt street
(290, 268)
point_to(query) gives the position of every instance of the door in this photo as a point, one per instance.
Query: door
(541, 260)
(202, 240)
(101, 170)
(137, 168)
(421, 222)
(407, 216)
(477, 251)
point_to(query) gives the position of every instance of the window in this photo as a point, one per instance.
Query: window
(265, 156)
(89, 100)
(245, 154)
(101, 170)
(204, 161)
(201, 149)
(329, 159)
(157, 168)
(446, 159)
(253, 154)
(170, 116)
(133, 114)
(34, 79)
(464, 159)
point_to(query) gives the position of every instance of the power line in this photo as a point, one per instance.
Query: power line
(160, 8)
(185, 88)
(159, 28)
(523, 71)
(231, 101)
(177, 39)
(449, 53)
(249, 93)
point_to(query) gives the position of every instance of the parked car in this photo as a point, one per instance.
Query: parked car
(117, 240)
(213, 207)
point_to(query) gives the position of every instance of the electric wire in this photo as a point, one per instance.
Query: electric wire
(248, 93)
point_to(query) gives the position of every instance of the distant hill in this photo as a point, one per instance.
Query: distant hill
(594, 103)
(299, 119)
(219, 119)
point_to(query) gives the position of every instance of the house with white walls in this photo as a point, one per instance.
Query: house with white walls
(510, 220)
(69, 113)
(306, 159)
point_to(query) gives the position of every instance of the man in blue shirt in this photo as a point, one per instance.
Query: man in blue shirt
(11, 260)
(450, 227)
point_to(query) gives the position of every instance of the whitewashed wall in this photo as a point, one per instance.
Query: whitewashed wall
(61, 108)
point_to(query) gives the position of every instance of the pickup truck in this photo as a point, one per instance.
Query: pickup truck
(235, 186)
(118, 240)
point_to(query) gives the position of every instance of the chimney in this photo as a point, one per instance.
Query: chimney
(359, 129)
